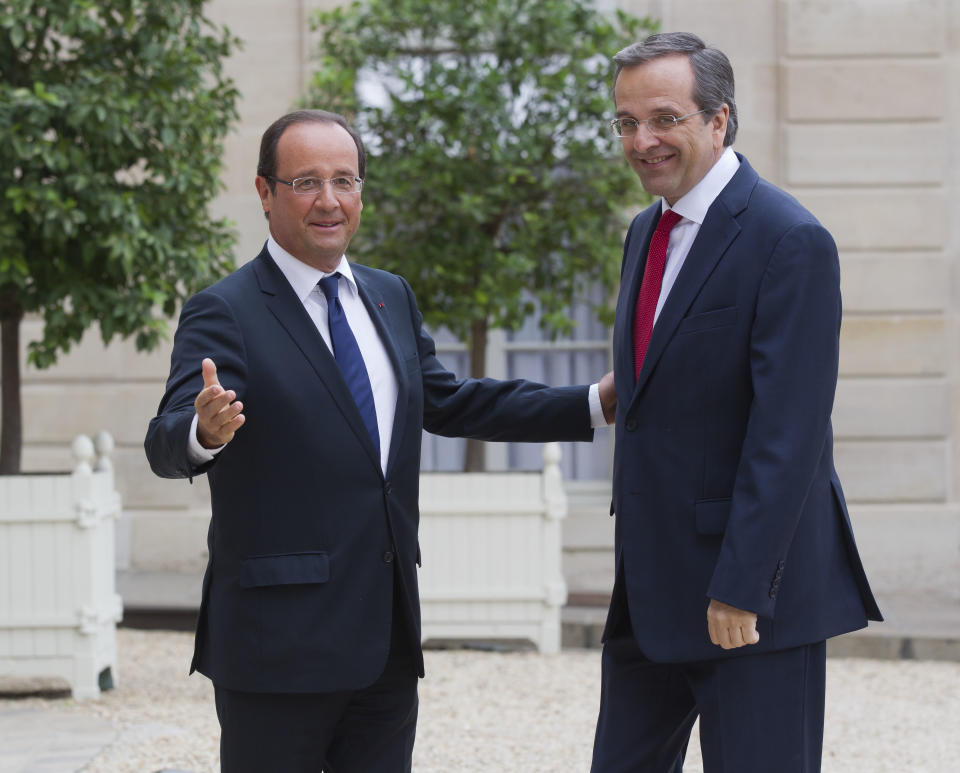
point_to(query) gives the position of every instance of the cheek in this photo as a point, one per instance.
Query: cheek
(636, 166)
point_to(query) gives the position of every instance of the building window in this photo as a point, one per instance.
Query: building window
(581, 357)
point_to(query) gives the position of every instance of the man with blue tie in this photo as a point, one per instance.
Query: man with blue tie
(735, 558)
(300, 384)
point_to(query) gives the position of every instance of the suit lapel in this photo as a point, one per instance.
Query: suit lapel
(373, 299)
(287, 308)
(717, 233)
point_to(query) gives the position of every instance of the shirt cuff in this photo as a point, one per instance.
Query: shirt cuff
(597, 419)
(199, 455)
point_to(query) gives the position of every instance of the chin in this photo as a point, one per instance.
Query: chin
(653, 190)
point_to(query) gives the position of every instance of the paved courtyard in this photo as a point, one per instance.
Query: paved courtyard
(480, 711)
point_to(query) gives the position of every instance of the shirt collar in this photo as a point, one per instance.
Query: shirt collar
(693, 205)
(302, 277)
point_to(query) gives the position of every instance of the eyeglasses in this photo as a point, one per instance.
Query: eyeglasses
(657, 124)
(311, 186)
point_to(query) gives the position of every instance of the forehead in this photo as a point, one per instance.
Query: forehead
(660, 83)
(316, 148)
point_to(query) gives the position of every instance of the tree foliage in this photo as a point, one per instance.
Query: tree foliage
(112, 118)
(494, 184)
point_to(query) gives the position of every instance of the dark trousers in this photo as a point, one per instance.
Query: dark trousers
(758, 712)
(370, 730)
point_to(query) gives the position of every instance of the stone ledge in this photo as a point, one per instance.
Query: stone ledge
(583, 628)
(926, 628)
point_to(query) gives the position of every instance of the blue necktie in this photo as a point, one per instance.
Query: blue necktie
(349, 359)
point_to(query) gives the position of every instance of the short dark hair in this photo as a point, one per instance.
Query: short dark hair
(267, 163)
(712, 71)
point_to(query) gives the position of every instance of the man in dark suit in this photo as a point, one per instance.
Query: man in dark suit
(309, 626)
(735, 559)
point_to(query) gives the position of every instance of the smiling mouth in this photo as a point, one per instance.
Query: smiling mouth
(325, 226)
(656, 160)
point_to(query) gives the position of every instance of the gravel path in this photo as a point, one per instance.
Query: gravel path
(524, 712)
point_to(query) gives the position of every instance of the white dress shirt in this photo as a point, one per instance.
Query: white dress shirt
(692, 207)
(383, 381)
(304, 280)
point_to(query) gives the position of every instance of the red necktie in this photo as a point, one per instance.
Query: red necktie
(650, 287)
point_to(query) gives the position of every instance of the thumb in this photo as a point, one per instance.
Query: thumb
(209, 371)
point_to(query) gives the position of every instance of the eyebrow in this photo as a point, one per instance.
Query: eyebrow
(313, 173)
(656, 111)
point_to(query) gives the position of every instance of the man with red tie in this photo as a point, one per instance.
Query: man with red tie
(735, 558)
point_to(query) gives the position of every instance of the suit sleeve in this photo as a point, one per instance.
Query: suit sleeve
(207, 328)
(488, 409)
(794, 351)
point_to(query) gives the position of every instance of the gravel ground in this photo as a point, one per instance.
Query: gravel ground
(524, 712)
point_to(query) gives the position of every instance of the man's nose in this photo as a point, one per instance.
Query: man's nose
(326, 197)
(644, 139)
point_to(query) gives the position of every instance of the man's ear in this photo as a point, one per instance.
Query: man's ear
(265, 194)
(719, 122)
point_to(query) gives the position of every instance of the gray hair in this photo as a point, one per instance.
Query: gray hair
(712, 73)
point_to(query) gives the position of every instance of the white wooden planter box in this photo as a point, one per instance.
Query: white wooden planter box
(58, 606)
(491, 547)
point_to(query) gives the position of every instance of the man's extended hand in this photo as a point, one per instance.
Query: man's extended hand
(731, 627)
(608, 397)
(218, 411)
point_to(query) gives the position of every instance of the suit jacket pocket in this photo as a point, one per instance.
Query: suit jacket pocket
(708, 320)
(712, 515)
(289, 569)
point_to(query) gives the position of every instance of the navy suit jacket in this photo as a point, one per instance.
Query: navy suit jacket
(724, 483)
(306, 531)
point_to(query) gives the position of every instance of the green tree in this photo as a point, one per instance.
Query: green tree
(494, 183)
(112, 117)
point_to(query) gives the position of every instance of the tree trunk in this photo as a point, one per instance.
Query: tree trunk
(11, 414)
(475, 461)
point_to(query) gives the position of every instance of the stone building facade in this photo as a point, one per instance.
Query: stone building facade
(852, 105)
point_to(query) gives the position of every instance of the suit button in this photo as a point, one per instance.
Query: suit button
(388, 557)
(631, 425)
(387, 488)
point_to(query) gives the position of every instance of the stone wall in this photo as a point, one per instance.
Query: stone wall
(852, 105)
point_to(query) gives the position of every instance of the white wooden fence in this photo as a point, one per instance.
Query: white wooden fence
(491, 547)
(58, 607)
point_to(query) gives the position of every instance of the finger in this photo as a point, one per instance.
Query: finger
(750, 633)
(227, 431)
(721, 629)
(211, 384)
(213, 399)
(230, 428)
(219, 429)
(608, 397)
(208, 406)
(224, 416)
(734, 638)
(209, 371)
(723, 637)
